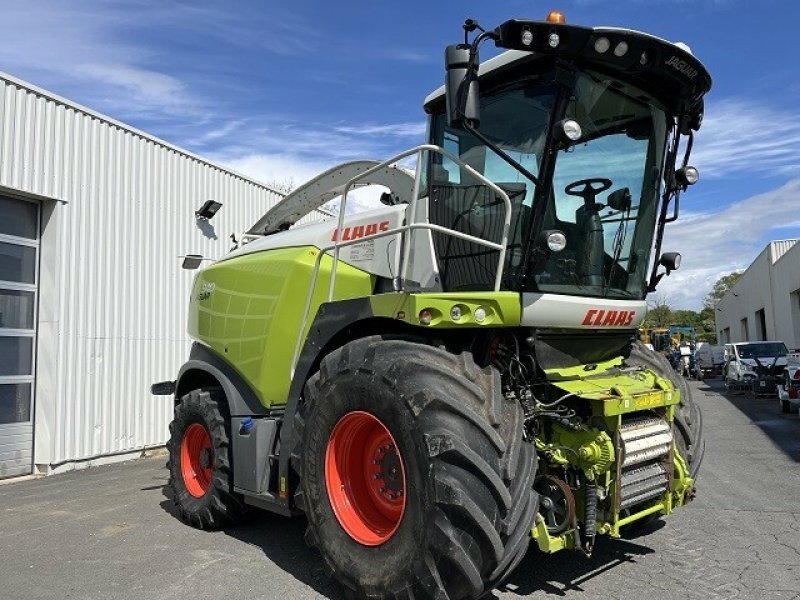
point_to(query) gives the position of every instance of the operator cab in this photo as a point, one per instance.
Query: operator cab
(581, 128)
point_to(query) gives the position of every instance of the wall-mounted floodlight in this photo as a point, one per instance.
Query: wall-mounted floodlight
(192, 261)
(208, 210)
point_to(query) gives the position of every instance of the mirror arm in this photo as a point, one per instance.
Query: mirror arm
(676, 208)
(472, 66)
(651, 287)
(663, 219)
(688, 152)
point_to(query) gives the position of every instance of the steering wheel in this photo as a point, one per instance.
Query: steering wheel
(588, 188)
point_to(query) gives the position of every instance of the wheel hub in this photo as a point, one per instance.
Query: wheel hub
(197, 459)
(206, 458)
(389, 479)
(365, 478)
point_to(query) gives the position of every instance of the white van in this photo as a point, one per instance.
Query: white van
(708, 361)
(748, 362)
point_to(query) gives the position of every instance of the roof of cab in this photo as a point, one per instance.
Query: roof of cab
(512, 56)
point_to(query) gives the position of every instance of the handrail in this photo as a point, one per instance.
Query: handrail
(501, 247)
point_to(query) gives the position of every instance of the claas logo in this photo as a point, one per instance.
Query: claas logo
(359, 231)
(609, 318)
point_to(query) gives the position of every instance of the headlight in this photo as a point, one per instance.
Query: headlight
(568, 129)
(556, 241)
(602, 45)
(527, 37)
(687, 175)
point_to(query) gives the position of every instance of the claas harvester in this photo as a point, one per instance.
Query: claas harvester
(438, 381)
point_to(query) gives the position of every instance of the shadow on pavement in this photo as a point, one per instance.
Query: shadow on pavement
(282, 542)
(566, 571)
(764, 412)
(281, 539)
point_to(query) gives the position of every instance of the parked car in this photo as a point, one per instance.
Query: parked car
(709, 361)
(789, 390)
(756, 366)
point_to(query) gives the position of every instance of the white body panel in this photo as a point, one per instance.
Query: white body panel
(571, 312)
(377, 256)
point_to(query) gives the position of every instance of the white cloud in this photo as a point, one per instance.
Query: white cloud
(716, 243)
(277, 168)
(791, 225)
(413, 57)
(412, 129)
(744, 138)
(136, 90)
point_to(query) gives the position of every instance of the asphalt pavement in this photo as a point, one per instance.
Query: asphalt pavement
(110, 533)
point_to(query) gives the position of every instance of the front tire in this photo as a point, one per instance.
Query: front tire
(688, 424)
(201, 479)
(455, 518)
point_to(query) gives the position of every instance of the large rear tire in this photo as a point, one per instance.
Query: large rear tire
(200, 475)
(455, 514)
(688, 425)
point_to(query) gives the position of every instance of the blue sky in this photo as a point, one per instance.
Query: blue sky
(282, 90)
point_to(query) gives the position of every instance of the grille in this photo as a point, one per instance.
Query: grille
(644, 443)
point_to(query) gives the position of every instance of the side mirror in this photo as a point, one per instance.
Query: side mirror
(620, 199)
(671, 261)
(461, 91)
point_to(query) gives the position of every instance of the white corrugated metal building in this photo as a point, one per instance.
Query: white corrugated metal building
(94, 217)
(764, 304)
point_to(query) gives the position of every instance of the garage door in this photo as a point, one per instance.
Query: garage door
(19, 260)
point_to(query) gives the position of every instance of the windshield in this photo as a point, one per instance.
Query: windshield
(608, 222)
(516, 119)
(763, 350)
(605, 191)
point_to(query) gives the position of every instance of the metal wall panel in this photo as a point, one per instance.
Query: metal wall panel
(771, 283)
(114, 311)
(780, 247)
(15, 449)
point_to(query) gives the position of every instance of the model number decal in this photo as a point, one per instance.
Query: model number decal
(609, 318)
(205, 291)
(682, 67)
(359, 231)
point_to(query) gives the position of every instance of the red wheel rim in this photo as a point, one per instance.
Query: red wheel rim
(197, 459)
(365, 478)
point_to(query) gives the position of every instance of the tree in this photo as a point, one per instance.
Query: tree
(720, 288)
(659, 313)
(284, 187)
(709, 329)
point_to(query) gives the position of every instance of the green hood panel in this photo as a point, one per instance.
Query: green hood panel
(248, 310)
(613, 391)
(501, 309)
